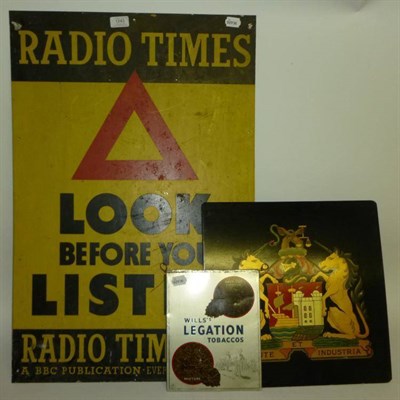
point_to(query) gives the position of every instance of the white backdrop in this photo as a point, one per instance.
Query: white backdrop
(327, 128)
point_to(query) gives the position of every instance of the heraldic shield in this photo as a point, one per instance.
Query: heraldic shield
(321, 283)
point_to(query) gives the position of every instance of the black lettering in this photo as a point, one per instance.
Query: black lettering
(81, 253)
(67, 253)
(105, 257)
(144, 254)
(165, 251)
(177, 254)
(99, 290)
(139, 285)
(67, 222)
(94, 252)
(40, 304)
(71, 305)
(93, 213)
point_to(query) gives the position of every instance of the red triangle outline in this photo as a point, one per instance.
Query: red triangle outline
(134, 98)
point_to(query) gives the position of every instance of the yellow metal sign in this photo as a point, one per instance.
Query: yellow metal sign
(123, 128)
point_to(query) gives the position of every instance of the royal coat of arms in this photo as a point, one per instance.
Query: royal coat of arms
(323, 314)
(316, 307)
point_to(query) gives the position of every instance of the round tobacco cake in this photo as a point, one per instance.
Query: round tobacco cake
(193, 363)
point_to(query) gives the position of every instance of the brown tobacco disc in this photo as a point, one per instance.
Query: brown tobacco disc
(193, 363)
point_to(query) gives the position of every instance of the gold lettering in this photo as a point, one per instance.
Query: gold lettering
(102, 343)
(74, 48)
(219, 50)
(53, 39)
(124, 338)
(139, 348)
(127, 48)
(81, 347)
(193, 49)
(241, 50)
(99, 46)
(27, 50)
(171, 50)
(28, 345)
(25, 371)
(157, 346)
(196, 50)
(152, 36)
(64, 338)
(47, 349)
